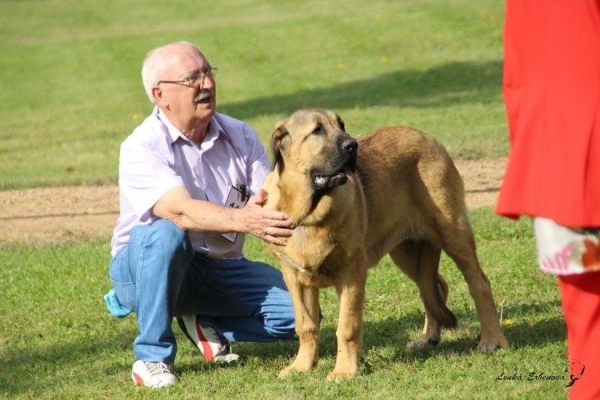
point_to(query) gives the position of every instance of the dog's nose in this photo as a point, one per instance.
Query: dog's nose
(350, 146)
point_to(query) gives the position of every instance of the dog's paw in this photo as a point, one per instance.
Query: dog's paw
(489, 345)
(422, 342)
(338, 376)
(297, 367)
(284, 373)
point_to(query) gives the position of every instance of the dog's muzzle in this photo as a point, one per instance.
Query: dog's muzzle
(343, 169)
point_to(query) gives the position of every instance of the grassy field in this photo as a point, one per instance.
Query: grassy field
(58, 341)
(70, 92)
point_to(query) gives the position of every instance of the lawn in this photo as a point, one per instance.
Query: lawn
(70, 92)
(58, 340)
(70, 84)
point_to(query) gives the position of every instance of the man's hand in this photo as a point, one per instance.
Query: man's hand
(271, 226)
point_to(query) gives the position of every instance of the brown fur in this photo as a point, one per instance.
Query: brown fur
(407, 201)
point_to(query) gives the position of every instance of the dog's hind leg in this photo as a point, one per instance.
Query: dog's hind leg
(306, 312)
(419, 260)
(459, 244)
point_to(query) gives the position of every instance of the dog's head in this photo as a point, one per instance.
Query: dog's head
(314, 143)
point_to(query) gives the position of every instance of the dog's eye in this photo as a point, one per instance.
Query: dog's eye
(318, 130)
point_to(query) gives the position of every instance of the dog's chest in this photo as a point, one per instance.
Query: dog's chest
(307, 252)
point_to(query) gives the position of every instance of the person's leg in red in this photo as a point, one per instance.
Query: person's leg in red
(581, 306)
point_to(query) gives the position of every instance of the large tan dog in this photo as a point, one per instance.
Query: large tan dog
(394, 190)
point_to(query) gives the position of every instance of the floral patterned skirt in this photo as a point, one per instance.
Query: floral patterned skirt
(566, 251)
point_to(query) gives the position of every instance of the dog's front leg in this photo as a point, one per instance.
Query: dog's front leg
(306, 311)
(351, 290)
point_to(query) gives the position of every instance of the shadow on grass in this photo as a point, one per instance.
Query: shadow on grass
(41, 369)
(522, 333)
(395, 332)
(445, 85)
(45, 369)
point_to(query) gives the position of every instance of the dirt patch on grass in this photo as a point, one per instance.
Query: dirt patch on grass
(70, 214)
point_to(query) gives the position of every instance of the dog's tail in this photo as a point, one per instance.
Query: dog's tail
(433, 288)
(432, 293)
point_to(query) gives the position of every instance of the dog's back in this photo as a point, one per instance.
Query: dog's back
(411, 188)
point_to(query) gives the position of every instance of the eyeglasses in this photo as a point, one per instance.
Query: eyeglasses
(199, 76)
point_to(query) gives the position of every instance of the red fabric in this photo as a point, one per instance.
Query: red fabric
(552, 93)
(581, 306)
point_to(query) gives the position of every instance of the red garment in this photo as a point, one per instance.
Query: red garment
(581, 306)
(552, 94)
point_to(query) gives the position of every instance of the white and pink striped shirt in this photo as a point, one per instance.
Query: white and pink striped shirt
(157, 157)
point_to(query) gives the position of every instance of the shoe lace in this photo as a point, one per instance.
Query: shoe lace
(158, 368)
(224, 353)
(224, 346)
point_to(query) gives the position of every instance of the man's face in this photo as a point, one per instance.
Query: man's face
(187, 90)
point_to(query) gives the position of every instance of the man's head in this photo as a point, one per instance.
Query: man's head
(180, 81)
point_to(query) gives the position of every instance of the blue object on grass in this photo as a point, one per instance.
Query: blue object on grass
(117, 309)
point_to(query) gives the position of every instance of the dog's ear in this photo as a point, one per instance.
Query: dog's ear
(279, 140)
(341, 123)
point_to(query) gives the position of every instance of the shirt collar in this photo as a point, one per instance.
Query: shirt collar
(214, 128)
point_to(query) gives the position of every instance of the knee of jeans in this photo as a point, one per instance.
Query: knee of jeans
(169, 235)
(281, 327)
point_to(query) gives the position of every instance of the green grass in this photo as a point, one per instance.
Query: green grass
(58, 341)
(71, 91)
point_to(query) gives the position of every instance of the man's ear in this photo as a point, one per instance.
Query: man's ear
(279, 140)
(158, 94)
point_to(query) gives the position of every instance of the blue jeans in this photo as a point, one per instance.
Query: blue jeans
(159, 276)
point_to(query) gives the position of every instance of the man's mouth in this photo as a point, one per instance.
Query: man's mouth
(204, 96)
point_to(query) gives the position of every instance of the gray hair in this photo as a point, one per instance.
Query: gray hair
(155, 64)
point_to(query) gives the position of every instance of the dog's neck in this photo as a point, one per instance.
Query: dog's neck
(294, 201)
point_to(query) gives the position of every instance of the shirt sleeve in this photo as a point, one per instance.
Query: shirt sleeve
(145, 175)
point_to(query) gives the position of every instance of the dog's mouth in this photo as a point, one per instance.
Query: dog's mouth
(323, 180)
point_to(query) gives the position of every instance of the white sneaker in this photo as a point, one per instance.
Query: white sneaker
(153, 374)
(212, 346)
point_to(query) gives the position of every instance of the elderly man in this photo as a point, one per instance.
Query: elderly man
(190, 188)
